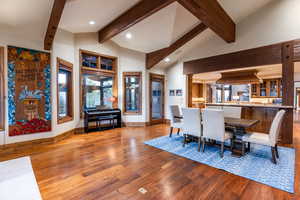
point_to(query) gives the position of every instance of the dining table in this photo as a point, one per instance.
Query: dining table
(238, 127)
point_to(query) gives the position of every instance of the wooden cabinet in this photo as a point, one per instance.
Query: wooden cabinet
(269, 88)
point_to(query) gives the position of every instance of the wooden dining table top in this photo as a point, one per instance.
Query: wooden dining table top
(236, 122)
(241, 123)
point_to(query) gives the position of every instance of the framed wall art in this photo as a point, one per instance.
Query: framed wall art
(29, 91)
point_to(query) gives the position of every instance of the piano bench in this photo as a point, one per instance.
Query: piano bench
(109, 118)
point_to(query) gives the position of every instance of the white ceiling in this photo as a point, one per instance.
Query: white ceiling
(78, 13)
(159, 30)
(26, 17)
(237, 10)
(156, 32)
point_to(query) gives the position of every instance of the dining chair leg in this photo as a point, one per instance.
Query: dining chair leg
(243, 148)
(184, 140)
(249, 146)
(199, 143)
(231, 144)
(222, 150)
(276, 151)
(178, 131)
(273, 155)
(171, 131)
(203, 144)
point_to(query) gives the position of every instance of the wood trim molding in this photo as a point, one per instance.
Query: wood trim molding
(69, 68)
(2, 90)
(23, 146)
(155, 57)
(135, 124)
(153, 76)
(113, 73)
(189, 90)
(266, 55)
(212, 15)
(297, 50)
(140, 98)
(56, 14)
(137, 13)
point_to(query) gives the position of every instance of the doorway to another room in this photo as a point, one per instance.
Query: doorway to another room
(157, 85)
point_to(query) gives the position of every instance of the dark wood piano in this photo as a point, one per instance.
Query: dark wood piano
(94, 115)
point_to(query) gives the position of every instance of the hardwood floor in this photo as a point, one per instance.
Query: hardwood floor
(114, 164)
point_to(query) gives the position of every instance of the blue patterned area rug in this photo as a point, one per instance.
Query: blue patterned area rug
(256, 165)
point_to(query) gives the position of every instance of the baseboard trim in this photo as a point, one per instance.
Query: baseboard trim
(135, 124)
(23, 146)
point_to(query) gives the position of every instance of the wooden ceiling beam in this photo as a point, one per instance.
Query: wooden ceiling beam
(56, 14)
(211, 13)
(155, 57)
(137, 13)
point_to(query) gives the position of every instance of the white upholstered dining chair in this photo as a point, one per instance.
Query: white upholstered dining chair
(192, 124)
(267, 139)
(214, 128)
(175, 122)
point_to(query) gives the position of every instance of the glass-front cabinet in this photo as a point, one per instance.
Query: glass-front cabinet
(263, 89)
(271, 88)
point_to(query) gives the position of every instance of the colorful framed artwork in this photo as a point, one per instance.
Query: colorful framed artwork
(29, 91)
(179, 92)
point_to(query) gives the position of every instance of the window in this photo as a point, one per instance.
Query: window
(227, 93)
(2, 107)
(97, 91)
(223, 93)
(65, 91)
(219, 94)
(132, 103)
(99, 80)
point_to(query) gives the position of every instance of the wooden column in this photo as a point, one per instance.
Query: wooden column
(287, 90)
(190, 89)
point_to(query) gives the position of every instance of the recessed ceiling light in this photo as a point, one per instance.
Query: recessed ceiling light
(128, 35)
(167, 59)
(92, 22)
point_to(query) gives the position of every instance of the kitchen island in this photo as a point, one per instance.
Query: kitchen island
(265, 113)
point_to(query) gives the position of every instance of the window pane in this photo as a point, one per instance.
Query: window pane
(63, 78)
(97, 91)
(157, 100)
(132, 93)
(227, 95)
(219, 96)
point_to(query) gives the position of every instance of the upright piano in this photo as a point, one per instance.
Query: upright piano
(92, 115)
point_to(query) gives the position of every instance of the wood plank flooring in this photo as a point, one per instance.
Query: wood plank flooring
(114, 164)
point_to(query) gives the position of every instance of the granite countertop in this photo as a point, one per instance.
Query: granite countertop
(250, 105)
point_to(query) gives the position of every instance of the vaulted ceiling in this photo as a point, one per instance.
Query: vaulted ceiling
(155, 32)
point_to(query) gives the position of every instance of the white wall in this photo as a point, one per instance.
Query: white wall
(63, 47)
(133, 61)
(175, 80)
(66, 46)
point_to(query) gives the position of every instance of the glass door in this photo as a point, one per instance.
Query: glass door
(156, 98)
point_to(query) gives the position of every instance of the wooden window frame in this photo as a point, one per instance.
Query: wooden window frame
(67, 66)
(153, 77)
(133, 74)
(2, 90)
(98, 71)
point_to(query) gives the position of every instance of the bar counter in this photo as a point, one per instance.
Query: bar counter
(265, 113)
(258, 105)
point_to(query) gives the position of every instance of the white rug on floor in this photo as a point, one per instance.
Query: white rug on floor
(17, 180)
